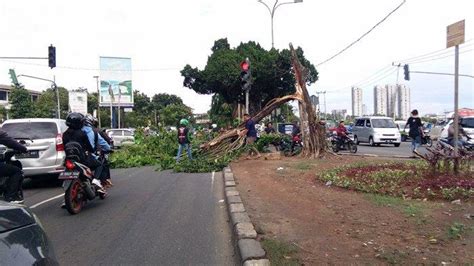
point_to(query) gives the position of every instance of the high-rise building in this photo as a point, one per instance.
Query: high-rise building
(357, 101)
(391, 100)
(403, 101)
(380, 100)
(364, 110)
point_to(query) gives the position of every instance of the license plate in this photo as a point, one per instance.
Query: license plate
(29, 154)
(69, 175)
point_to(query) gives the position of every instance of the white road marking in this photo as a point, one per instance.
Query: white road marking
(48, 200)
(212, 178)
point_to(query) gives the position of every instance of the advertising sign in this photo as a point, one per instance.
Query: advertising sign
(116, 81)
(78, 101)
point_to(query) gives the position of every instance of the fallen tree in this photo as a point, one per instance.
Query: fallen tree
(312, 130)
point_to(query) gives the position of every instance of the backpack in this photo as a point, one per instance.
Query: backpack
(75, 151)
(182, 135)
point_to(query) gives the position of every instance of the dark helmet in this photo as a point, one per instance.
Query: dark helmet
(89, 120)
(75, 120)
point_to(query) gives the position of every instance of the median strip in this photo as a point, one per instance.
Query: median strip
(251, 251)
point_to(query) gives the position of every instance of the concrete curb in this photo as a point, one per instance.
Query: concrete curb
(381, 156)
(251, 251)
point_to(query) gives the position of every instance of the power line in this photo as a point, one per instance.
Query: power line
(439, 58)
(363, 35)
(94, 69)
(434, 53)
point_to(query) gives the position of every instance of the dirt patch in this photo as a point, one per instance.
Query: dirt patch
(332, 225)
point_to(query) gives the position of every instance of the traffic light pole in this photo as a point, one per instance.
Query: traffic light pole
(247, 101)
(53, 86)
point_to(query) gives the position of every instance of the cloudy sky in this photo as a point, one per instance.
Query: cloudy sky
(162, 36)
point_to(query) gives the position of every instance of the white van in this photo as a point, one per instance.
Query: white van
(376, 130)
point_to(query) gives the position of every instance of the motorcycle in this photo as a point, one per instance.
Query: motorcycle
(347, 144)
(468, 145)
(79, 184)
(286, 143)
(426, 140)
(6, 156)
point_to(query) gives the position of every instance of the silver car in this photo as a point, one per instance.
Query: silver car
(121, 136)
(43, 139)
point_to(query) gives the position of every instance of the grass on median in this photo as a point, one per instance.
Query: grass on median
(280, 253)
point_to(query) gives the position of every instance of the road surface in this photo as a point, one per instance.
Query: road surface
(387, 150)
(149, 218)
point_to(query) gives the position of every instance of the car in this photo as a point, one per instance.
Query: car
(376, 130)
(467, 124)
(43, 138)
(121, 136)
(23, 240)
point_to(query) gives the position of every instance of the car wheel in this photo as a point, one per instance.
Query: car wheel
(396, 144)
(356, 140)
(371, 141)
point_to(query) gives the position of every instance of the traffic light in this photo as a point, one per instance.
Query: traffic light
(406, 72)
(245, 75)
(51, 56)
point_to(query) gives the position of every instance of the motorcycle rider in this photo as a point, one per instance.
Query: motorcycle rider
(105, 175)
(341, 132)
(98, 143)
(295, 135)
(78, 132)
(14, 174)
(461, 133)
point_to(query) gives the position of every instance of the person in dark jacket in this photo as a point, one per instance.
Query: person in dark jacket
(105, 175)
(14, 173)
(416, 130)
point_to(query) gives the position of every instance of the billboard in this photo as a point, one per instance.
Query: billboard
(78, 101)
(116, 81)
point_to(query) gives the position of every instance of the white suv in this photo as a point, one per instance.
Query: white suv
(43, 138)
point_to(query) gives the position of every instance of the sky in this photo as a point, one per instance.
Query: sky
(162, 37)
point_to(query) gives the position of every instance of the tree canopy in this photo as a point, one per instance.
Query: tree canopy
(272, 75)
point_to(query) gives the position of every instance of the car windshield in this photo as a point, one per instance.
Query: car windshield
(383, 123)
(31, 130)
(467, 122)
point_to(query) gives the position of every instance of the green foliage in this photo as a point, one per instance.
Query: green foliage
(173, 113)
(456, 231)
(46, 106)
(409, 179)
(271, 73)
(266, 139)
(161, 151)
(3, 114)
(280, 253)
(221, 112)
(21, 104)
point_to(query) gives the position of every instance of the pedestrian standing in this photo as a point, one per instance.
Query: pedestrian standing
(184, 139)
(251, 134)
(269, 129)
(416, 130)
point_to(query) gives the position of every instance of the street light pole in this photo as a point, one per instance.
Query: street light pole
(272, 12)
(98, 100)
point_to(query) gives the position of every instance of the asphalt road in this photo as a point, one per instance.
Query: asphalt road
(149, 218)
(387, 150)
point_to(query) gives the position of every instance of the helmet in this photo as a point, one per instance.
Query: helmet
(89, 120)
(75, 120)
(184, 122)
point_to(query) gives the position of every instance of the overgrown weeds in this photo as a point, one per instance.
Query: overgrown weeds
(280, 253)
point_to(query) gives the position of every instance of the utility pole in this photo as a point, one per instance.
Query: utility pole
(98, 100)
(324, 94)
(455, 37)
(57, 96)
(111, 93)
(120, 96)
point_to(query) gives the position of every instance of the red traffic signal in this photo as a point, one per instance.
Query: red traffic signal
(244, 66)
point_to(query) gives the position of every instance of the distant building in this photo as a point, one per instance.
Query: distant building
(403, 101)
(5, 95)
(380, 100)
(339, 114)
(357, 101)
(364, 110)
(391, 100)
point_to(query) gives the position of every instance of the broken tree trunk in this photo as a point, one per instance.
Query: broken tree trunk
(313, 132)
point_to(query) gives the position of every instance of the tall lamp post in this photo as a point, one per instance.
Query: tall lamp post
(274, 8)
(98, 100)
